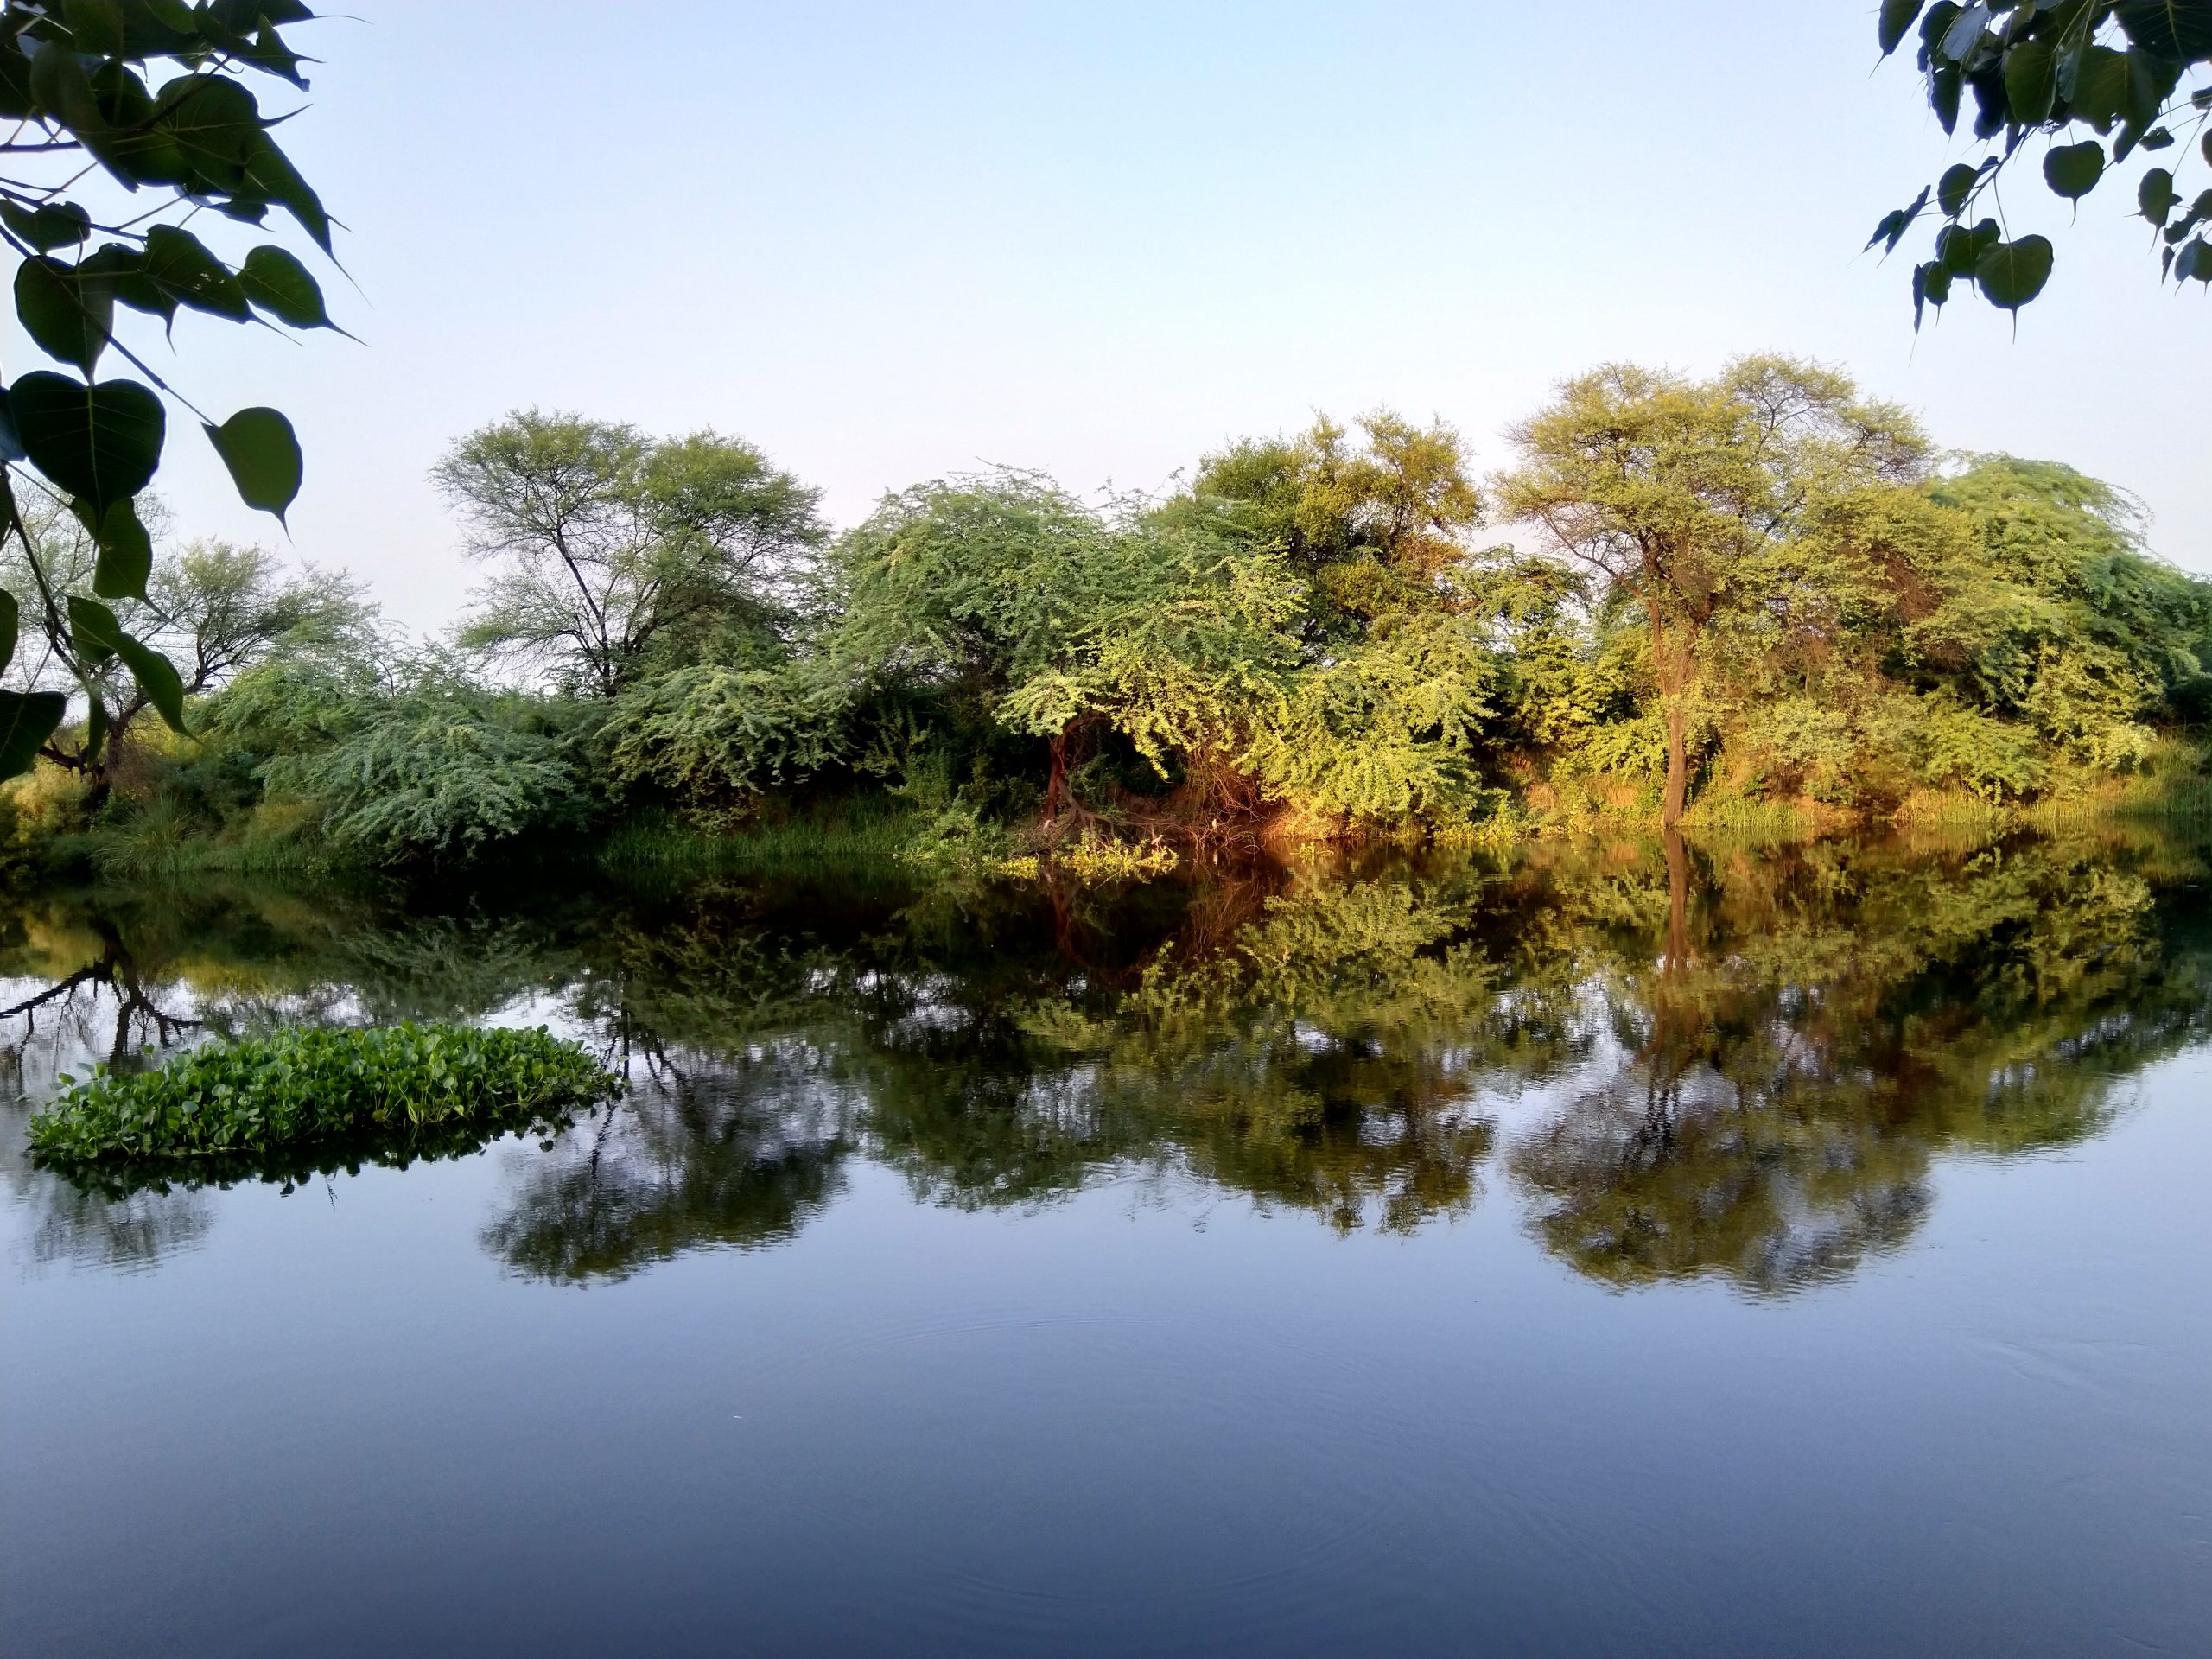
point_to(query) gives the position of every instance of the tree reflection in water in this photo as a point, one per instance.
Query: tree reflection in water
(1743, 1060)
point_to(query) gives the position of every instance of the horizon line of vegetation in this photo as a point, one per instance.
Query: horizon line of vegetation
(1756, 597)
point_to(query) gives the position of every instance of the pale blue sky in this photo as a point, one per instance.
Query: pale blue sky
(886, 242)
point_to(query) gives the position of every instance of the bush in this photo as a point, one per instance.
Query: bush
(259, 1105)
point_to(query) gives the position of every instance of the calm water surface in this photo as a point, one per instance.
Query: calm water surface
(1633, 1250)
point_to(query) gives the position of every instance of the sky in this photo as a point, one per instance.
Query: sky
(892, 242)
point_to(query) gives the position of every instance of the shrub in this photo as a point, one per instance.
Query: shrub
(263, 1105)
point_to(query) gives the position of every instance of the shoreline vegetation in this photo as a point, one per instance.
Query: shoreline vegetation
(1759, 604)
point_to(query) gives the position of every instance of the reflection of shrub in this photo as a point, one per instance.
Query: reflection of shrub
(302, 1090)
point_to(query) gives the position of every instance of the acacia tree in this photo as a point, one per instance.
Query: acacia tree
(1061, 620)
(2108, 75)
(90, 136)
(614, 548)
(1375, 526)
(1670, 491)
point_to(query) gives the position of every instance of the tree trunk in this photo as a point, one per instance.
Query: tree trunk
(1673, 664)
(1678, 763)
(1056, 787)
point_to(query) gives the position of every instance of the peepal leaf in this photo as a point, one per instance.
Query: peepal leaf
(2178, 29)
(126, 552)
(99, 443)
(27, 720)
(263, 452)
(279, 284)
(68, 313)
(1898, 18)
(2072, 170)
(98, 635)
(2013, 273)
(2032, 81)
(54, 225)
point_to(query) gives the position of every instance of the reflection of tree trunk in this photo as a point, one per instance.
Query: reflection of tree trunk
(1678, 904)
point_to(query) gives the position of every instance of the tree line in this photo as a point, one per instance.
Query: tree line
(1679, 594)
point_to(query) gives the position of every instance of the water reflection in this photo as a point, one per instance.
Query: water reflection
(1681, 1060)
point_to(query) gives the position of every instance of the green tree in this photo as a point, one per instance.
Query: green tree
(2097, 81)
(618, 553)
(1062, 619)
(215, 610)
(1674, 493)
(92, 141)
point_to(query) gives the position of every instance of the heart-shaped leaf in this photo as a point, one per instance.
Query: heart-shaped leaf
(98, 636)
(2032, 81)
(2013, 273)
(55, 224)
(2176, 29)
(126, 552)
(263, 452)
(180, 265)
(27, 720)
(101, 443)
(2156, 195)
(281, 286)
(2100, 87)
(68, 313)
(1951, 189)
(2072, 170)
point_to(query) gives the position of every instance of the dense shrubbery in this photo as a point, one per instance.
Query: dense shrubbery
(1756, 591)
(402, 1091)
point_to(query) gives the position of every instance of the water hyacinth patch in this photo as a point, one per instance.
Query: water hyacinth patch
(315, 1098)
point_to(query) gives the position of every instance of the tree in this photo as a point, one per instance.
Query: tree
(73, 80)
(215, 611)
(2056, 69)
(1373, 528)
(617, 550)
(1059, 619)
(1669, 491)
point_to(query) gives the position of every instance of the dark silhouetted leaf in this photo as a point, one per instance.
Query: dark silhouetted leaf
(2155, 196)
(2072, 170)
(2179, 29)
(98, 636)
(55, 224)
(126, 552)
(2100, 87)
(1897, 17)
(8, 621)
(263, 452)
(101, 443)
(27, 720)
(179, 265)
(281, 286)
(1951, 189)
(2013, 273)
(2032, 81)
(68, 314)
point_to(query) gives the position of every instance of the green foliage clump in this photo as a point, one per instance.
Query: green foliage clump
(444, 769)
(407, 1087)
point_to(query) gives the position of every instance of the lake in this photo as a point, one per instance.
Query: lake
(1613, 1249)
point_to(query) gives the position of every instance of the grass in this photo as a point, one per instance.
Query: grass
(315, 1098)
(663, 846)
